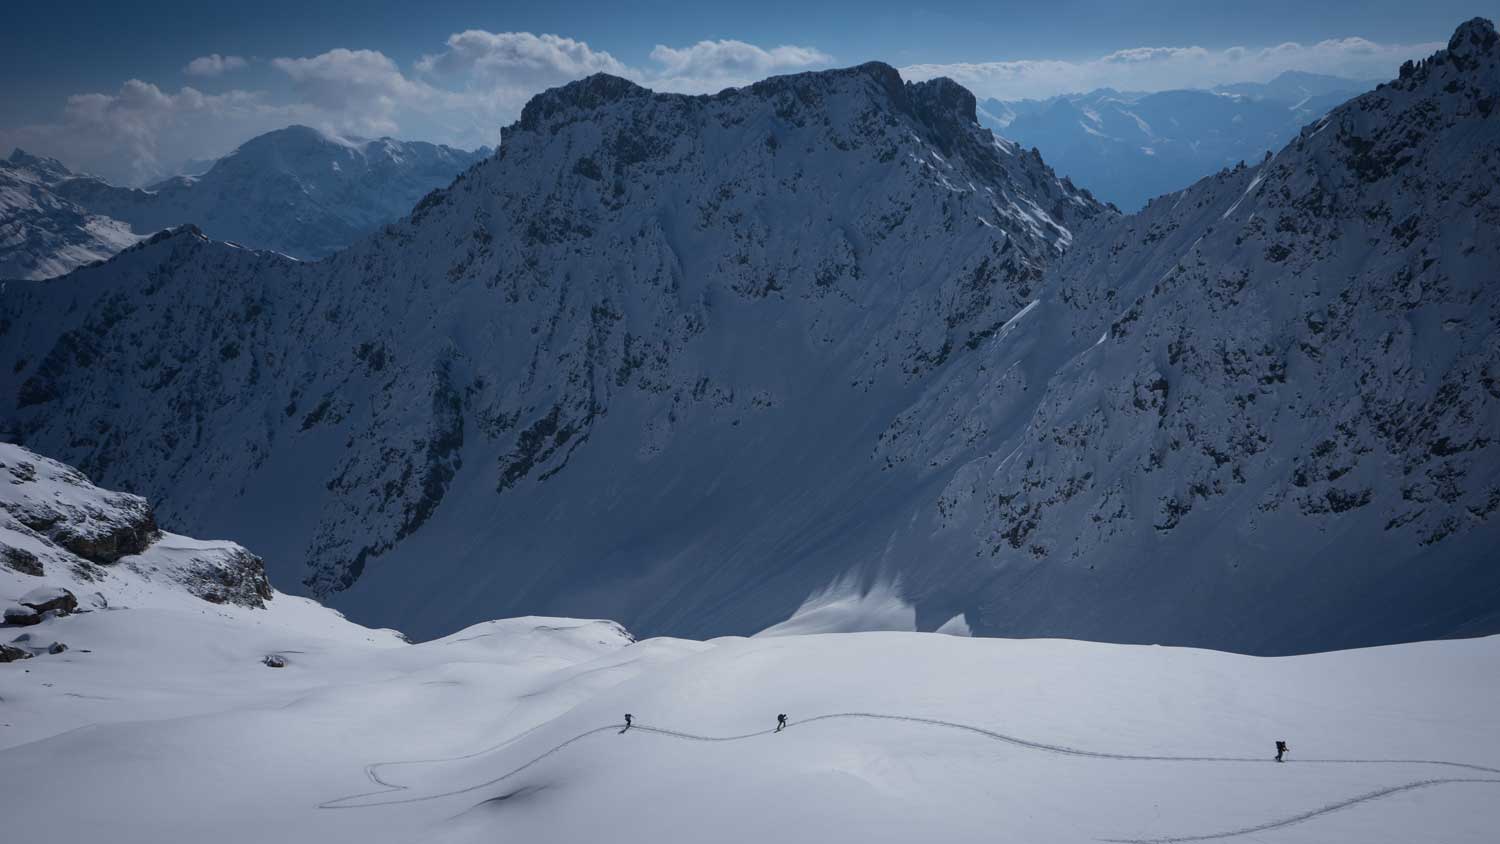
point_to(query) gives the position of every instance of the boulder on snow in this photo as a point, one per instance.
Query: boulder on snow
(48, 598)
(56, 648)
(10, 653)
(22, 616)
(274, 661)
(59, 504)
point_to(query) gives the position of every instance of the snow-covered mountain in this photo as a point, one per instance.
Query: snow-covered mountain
(656, 316)
(823, 349)
(43, 234)
(295, 190)
(1270, 399)
(1130, 147)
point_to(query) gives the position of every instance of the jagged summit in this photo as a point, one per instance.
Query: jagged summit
(49, 170)
(586, 93)
(939, 101)
(1471, 53)
(1473, 37)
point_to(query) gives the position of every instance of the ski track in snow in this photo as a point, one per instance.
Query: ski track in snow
(390, 788)
(1309, 815)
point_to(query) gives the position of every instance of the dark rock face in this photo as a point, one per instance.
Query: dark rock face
(132, 537)
(121, 524)
(240, 579)
(22, 616)
(274, 661)
(10, 653)
(20, 560)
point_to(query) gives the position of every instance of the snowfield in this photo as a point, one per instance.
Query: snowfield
(162, 725)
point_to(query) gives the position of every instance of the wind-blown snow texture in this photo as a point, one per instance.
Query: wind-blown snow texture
(688, 361)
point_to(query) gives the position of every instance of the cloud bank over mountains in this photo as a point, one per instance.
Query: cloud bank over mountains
(463, 93)
(1166, 68)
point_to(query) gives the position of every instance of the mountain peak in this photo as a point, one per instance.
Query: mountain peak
(45, 166)
(942, 100)
(1473, 37)
(586, 93)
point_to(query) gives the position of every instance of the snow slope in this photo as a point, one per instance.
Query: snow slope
(1269, 402)
(164, 721)
(175, 732)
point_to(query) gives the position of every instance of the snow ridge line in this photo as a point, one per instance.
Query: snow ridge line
(1294, 819)
(370, 770)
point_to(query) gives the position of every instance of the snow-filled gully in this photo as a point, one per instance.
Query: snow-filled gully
(372, 770)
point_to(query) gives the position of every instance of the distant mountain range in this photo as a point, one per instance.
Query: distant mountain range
(43, 234)
(296, 191)
(1130, 147)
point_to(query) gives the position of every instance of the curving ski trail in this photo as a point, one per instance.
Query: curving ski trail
(372, 770)
(1304, 816)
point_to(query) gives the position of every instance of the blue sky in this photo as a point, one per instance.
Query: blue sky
(130, 90)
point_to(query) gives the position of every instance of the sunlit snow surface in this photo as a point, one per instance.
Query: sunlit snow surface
(169, 729)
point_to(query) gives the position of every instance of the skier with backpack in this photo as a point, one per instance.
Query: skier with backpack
(627, 723)
(780, 723)
(1281, 749)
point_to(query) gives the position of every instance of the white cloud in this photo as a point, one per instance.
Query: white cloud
(475, 58)
(359, 92)
(142, 133)
(710, 66)
(214, 64)
(1163, 68)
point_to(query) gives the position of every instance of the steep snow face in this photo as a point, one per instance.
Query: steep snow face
(42, 233)
(295, 191)
(1131, 147)
(634, 365)
(1271, 400)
